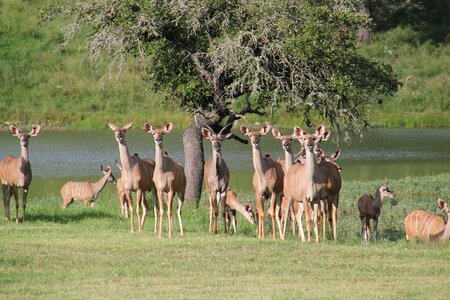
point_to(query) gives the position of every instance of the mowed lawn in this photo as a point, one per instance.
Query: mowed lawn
(90, 253)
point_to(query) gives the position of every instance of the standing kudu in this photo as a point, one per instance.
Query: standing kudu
(136, 175)
(169, 177)
(267, 182)
(216, 177)
(331, 183)
(286, 162)
(370, 208)
(302, 182)
(427, 227)
(85, 191)
(15, 172)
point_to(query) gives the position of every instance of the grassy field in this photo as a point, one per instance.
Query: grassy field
(90, 253)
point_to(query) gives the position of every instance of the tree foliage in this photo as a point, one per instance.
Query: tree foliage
(206, 54)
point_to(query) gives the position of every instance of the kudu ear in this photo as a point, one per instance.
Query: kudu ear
(128, 126)
(276, 134)
(244, 130)
(206, 133)
(298, 132)
(442, 204)
(320, 153)
(119, 165)
(336, 155)
(148, 128)
(101, 168)
(14, 131)
(265, 129)
(228, 135)
(168, 127)
(111, 125)
(320, 131)
(107, 169)
(326, 136)
(35, 130)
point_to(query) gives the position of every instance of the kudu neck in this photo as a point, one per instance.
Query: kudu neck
(99, 185)
(124, 155)
(159, 154)
(258, 161)
(288, 158)
(24, 152)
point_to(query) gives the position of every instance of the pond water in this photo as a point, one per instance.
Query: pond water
(60, 156)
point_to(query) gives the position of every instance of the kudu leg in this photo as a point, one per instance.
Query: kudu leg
(161, 210)
(323, 218)
(316, 221)
(334, 221)
(130, 209)
(375, 229)
(363, 229)
(299, 214)
(155, 210)
(223, 203)
(211, 212)
(307, 211)
(5, 189)
(144, 210)
(169, 212)
(277, 214)
(15, 192)
(368, 229)
(180, 205)
(260, 210)
(138, 208)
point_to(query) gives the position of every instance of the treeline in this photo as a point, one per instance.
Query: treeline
(42, 81)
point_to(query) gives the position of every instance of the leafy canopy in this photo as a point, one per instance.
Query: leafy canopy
(300, 55)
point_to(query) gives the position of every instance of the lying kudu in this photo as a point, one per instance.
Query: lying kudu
(427, 227)
(85, 191)
(370, 208)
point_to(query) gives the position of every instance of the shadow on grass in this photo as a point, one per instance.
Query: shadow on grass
(393, 235)
(63, 218)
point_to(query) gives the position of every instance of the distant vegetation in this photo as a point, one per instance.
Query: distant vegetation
(43, 82)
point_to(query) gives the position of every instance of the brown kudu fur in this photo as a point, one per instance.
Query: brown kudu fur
(286, 162)
(427, 227)
(216, 178)
(169, 177)
(136, 175)
(15, 172)
(85, 191)
(303, 182)
(267, 182)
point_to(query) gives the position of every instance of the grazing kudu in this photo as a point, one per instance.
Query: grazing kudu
(427, 227)
(85, 191)
(15, 172)
(216, 177)
(302, 182)
(169, 177)
(286, 162)
(233, 205)
(370, 208)
(137, 175)
(267, 182)
(331, 187)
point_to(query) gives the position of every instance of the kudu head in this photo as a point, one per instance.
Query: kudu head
(443, 205)
(255, 135)
(286, 140)
(158, 132)
(108, 171)
(24, 136)
(216, 139)
(249, 213)
(119, 132)
(331, 158)
(310, 142)
(384, 191)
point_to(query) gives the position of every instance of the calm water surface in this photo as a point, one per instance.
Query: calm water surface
(59, 156)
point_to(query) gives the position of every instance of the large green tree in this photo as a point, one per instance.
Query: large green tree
(208, 55)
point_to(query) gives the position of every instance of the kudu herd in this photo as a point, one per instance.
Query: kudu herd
(308, 182)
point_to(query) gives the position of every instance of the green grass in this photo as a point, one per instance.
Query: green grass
(90, 253)
(40, 82)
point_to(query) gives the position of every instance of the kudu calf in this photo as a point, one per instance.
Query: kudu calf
(85, 191)
(267, 182)
(169, 177)
(216, 177)
(15, 172)
(427, 227)
(137, 175)
(370, 208)
(233, 205)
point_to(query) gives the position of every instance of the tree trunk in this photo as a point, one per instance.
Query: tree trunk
(193, 161)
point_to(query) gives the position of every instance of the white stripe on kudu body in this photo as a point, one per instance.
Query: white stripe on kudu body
(427, 227)
(15, 172)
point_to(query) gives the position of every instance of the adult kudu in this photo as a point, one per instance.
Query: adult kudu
(15, 172)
